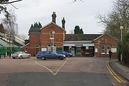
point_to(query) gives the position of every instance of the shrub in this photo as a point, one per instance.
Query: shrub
(123, 48)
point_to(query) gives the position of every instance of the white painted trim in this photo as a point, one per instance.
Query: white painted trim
(79, 41)
(96, 50)
(99, 37)
(114, 50)
(103, 53)
(69, 45)
(43, 49)
(88, 44)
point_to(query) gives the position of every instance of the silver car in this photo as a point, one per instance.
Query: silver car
(20, 55)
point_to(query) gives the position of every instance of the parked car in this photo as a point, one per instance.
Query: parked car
(20, 55)
(40, 54)
(49, 55)
(67, 54)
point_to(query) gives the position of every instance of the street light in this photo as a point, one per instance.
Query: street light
(52, 40)
(53, 34)
(121, 28)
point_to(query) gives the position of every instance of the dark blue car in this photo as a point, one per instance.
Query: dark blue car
(67, 54)
(49, 55)
(40, 54)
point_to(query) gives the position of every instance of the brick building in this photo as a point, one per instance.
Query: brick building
(91, 45)
(53, 38)
(103, 44)
(48, 38)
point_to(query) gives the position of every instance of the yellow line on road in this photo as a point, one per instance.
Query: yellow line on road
(52, 72)
(115, 76)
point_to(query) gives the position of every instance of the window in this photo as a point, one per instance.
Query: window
(105, 48)
(108, 48)
(52, 34)
(102, 49)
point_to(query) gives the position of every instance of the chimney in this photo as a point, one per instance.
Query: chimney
(63, 23)
(54, 17)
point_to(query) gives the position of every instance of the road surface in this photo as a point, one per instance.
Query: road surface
(74, 71)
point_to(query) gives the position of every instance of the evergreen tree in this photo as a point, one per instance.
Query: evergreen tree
(123, 48)
(35, 27)
(81, 31)
(77, 30)
(31, 26)
(40, 26)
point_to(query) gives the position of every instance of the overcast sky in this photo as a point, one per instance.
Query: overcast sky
(83, 13)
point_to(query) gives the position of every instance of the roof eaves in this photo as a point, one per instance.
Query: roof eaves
(54, 24)
(99, 37)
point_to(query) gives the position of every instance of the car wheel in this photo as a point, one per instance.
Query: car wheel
(44, 58)
(21, 57)
(61, 58)
(13, 57)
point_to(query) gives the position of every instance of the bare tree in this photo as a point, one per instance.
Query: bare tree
(8, 2)
(9, 21)
(118, 17)
(3, 8)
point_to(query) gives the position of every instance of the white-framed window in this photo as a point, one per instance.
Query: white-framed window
(103, 49)
(52, 33)
(43, 49)
(114, 50)
(87, 47)
(108, 47)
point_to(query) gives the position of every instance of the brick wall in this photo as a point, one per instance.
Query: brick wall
(58, 36)
(38, 40)
(106, 41)
(34, 43)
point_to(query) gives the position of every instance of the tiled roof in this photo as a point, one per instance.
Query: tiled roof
(39, 29)
(52, 23)
(81, 37)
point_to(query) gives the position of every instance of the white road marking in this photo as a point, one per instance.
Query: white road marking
(50, 70)
(60, 67)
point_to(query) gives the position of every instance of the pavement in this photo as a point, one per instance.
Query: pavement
(121, 70)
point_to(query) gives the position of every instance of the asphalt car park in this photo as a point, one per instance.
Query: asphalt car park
(74, 71)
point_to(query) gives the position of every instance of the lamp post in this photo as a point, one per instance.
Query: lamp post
(52, 40)
(121, 28)
(53, 33)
